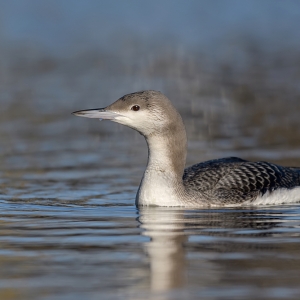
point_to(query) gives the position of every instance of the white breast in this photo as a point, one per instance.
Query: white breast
(158, 189)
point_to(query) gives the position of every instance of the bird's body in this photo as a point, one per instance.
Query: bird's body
(234, 181)
(221, 182)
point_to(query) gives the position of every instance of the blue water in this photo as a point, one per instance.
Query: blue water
(70, 230)
(73, 251)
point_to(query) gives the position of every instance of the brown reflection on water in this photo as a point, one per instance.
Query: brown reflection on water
(245, 109)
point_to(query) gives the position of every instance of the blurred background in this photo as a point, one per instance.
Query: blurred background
(231, 68)
(67, 184)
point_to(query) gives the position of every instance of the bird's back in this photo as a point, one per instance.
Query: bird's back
(233, 180)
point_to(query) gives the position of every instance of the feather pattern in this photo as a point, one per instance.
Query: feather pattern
(233, 180)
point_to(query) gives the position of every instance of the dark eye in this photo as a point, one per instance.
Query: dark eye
(135, 108)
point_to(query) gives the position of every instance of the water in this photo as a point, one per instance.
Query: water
(70, 230)
(68, 225)
(73, 251)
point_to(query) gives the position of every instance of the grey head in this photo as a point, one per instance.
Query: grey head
(148, 112)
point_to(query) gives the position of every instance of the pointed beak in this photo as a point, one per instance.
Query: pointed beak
(98, 113)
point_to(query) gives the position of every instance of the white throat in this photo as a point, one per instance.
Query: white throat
(162, 181)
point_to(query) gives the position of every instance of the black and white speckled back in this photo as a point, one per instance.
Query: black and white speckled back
(234, 180)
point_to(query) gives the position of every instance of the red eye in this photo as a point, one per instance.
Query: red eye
(135, 107)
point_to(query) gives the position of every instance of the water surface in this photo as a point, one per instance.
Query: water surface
(70, 230)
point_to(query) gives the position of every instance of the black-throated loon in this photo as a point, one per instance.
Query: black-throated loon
(222, 182)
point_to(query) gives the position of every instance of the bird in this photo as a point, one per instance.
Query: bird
(223, 182)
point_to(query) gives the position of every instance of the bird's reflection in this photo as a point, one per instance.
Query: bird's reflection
(169, 230)
(165, 227)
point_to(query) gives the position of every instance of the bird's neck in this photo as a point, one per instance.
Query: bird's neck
(162, 181)
(167, 154)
